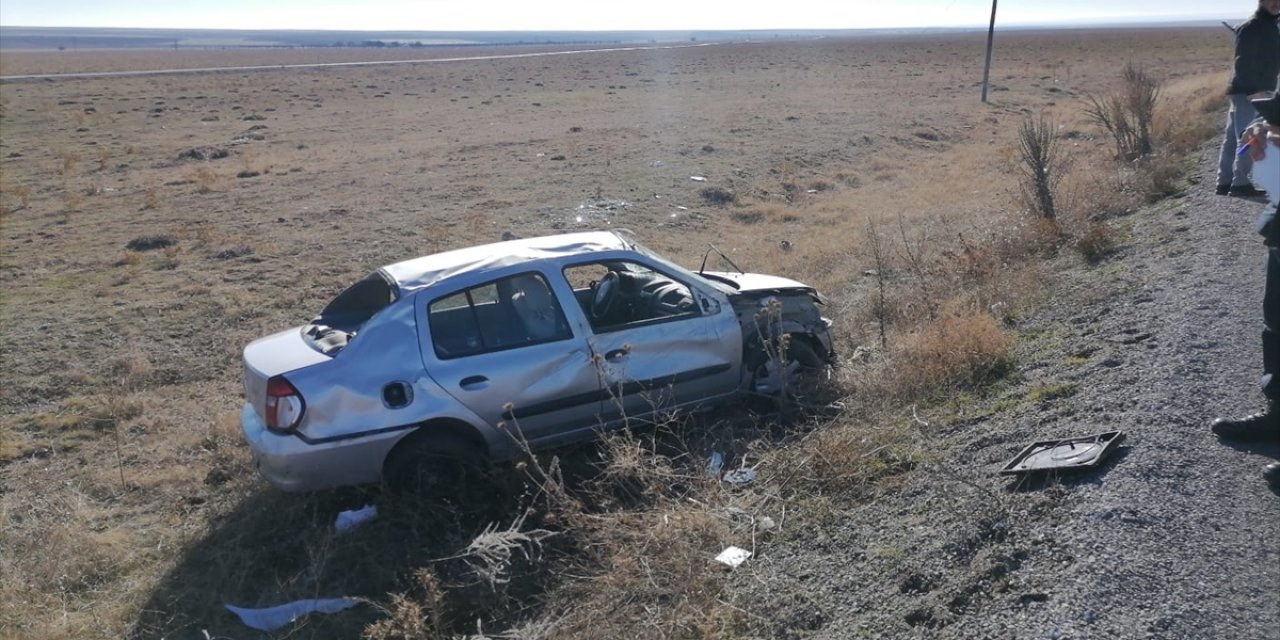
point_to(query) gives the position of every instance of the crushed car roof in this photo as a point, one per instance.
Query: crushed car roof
(418, 273)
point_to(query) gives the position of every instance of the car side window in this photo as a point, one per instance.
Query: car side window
(513, 312)
(617, 294)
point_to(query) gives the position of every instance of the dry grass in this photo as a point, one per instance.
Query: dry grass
(130, 507)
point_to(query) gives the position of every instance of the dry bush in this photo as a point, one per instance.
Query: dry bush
(1038, 155)
(651, 575)
(1162, 176)
(419, 615)
(1099, 190)
(718, 196)
(67, 161)
(1128, 114)
(20, 192)
(961, 349)
(206, 179)
(1097, 242)
(844, 459)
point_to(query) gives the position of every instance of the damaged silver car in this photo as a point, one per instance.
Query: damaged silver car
(434, 363)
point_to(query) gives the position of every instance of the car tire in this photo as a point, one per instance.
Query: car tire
(440, 471)
(804, 368)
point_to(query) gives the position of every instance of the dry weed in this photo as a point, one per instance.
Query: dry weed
(961, 349)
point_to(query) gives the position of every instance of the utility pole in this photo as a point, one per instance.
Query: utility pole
(991, 34)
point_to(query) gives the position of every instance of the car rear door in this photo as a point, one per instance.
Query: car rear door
(506, 351)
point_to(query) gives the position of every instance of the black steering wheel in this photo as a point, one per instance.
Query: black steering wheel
(605, 292)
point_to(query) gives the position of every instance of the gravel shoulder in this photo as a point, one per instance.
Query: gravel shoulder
(1177, 536)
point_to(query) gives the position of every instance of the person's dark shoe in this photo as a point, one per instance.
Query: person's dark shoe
(1245, 191)
(1222, 190)
(1271, 473)
(1259, 427)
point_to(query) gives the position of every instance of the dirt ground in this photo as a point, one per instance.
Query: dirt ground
(154, 225)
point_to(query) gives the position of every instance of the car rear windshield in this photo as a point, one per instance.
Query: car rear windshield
(338, 323)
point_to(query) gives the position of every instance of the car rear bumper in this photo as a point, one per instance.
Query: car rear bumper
(291, 464)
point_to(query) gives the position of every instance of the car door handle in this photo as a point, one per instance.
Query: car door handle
(615, 354)
(473, 382)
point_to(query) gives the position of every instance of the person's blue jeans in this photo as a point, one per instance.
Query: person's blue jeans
(1234, 170)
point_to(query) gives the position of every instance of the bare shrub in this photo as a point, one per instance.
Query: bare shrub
(1162, 177)
(651, 576)
(1128, 114)
(962, 349)
(67, 161)
(151, 242)
(1097, 242)
(845, 458)
(23, 193)
(1038, 170)
(412, 618)
(491, 553)
(206, 179)
(718, 196)
(631, 473)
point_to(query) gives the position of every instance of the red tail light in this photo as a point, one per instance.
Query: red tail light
(284, 405)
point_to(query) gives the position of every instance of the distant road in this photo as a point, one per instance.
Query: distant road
(316, 65)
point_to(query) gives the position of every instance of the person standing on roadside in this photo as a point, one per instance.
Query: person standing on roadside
(1262, 144)
(1256, 66)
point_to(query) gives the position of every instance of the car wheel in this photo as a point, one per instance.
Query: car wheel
(799, 375)
(441, 472)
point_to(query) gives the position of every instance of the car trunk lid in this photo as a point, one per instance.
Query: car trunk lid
(275, 355)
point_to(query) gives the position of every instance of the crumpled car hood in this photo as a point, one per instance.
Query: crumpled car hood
(756, 282)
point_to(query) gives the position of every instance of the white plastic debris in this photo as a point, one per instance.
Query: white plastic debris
(273, 618)
(733, 556)
(348, 520)
(698, 178)
(714, 463)
(740, 476)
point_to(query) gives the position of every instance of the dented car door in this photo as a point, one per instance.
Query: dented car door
(506, 351)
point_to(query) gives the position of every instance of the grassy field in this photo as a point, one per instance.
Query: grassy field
(154, 225)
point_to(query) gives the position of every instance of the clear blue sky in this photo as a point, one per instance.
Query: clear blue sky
(529, 15)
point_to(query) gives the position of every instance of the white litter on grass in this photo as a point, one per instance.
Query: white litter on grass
(740, 476)
(733, 556)
(698, 178)
(272, 618)
(348, 520)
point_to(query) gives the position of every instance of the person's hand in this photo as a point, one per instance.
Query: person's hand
(1257, 136)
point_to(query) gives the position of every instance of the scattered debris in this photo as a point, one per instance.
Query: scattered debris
(349, 520)
(272, 618)
(698, 178)
(714, 463)
(1069, 454)
(739, 477)
(733, 556)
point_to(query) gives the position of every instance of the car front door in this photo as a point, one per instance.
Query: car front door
(658, 346)
(505, 350)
